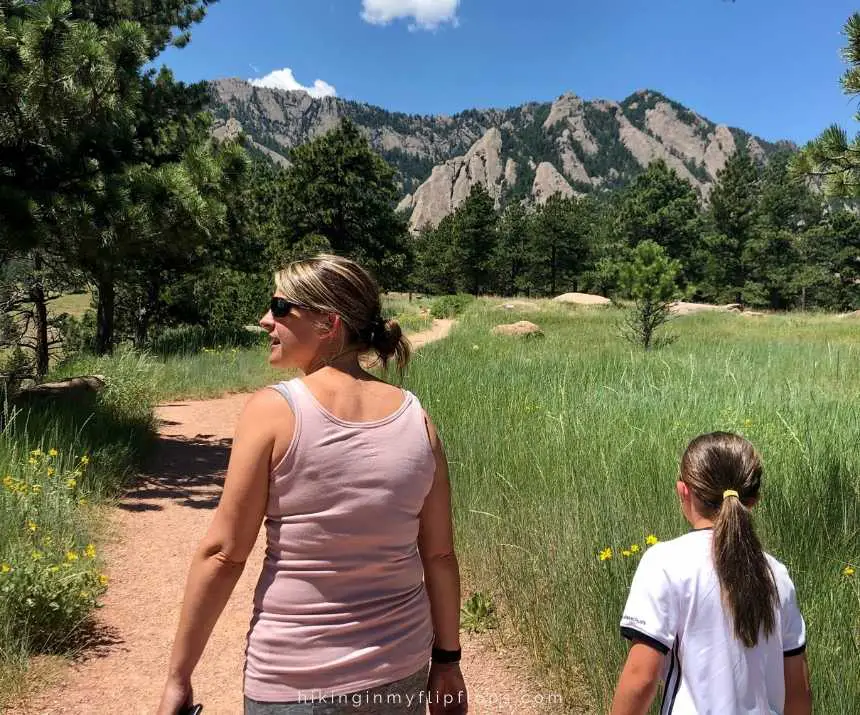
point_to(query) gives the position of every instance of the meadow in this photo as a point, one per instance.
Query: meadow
(565, 447)
(561, 448)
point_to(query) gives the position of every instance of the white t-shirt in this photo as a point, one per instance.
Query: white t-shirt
(675, 607)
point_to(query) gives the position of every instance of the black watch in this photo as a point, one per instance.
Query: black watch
(445, 657)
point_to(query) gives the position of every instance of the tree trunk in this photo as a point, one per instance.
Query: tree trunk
(552, 282)
(40, 316)
(105, 315)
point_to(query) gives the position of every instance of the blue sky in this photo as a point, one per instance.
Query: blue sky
(768, 66)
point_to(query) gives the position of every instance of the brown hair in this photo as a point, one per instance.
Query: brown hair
(712, 464)
(332, 284)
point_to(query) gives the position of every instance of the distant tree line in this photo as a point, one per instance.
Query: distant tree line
(762, 238)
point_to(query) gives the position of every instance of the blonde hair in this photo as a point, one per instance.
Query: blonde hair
(332, 284)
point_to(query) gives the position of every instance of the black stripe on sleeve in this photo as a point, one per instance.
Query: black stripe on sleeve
(632, 634)
(794, 651)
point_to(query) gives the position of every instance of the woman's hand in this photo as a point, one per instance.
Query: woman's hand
(177, 695)
(447, 690)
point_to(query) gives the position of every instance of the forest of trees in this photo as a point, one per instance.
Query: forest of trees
(763, 238)
(111, 182)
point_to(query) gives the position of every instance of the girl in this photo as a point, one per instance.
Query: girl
(710, 613)
(360, 588)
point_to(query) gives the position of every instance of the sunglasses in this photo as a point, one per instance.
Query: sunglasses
(281, 307)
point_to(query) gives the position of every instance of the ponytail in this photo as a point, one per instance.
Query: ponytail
(724, 473)
(746, 581)
(388, 340)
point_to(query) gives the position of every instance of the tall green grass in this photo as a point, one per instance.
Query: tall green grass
(59, 458)
(565, 446)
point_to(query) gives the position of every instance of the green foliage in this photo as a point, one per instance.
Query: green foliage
(49, 579)
(661, 207)
(650, 279)
(478, 614)
(614, 160)
(604, 427)
(475, 237)
(340, 189)
(450, 306)
(833, 159)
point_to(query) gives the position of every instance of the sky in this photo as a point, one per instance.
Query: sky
(771, 67)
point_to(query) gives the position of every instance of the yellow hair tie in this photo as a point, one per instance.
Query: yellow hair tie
(731, 493)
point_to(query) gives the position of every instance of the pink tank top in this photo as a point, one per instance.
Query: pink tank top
(341, 605)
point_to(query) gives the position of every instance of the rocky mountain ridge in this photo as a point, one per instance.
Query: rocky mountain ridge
(569, 146)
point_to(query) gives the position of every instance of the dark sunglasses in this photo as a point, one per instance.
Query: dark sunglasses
(281, 307)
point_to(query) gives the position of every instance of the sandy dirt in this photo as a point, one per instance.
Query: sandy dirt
(152, 536)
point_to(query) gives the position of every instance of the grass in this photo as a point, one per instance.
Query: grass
(59, 459)
(563, 447)
(75, 304)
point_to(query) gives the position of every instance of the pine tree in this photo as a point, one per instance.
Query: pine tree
(339, 188)
(475, 239)
(833, 159)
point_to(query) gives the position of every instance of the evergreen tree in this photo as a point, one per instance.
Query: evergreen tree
(650, 279)
(833, 159)
(475, 239)
(733, 212)
(340, 189)
(559, 244)
(508, 261)
(661, 207)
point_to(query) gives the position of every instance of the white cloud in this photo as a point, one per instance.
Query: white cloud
(285, 79)
(427, 14)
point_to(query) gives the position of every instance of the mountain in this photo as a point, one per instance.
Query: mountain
(569, 146)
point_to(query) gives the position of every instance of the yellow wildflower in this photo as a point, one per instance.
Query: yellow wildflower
(82, 502)
(848, 571)
(626, 552)
(748, 423)
(36, 453)
(54, 569)
(37, 555)
(47, 540)
(71, 483)
(634, 548)
(51, 471)
(32, 460)
(85, 594)
(32, 525)
(103, 580)
(650, 540)
(8, 481)
(71, 556)
(606, 554)
(37, 489)
(5, 568)
(53, 453)
(90, 551)
(85, 460)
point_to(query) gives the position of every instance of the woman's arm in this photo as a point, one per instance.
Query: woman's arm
(798, 693)
(220, 557)
(436, 546)
(446, 687)
(639, 679)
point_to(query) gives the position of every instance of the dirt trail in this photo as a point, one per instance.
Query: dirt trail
(154, 531)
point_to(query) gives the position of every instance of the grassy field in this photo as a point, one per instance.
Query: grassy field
(560, 447)
(564, 446)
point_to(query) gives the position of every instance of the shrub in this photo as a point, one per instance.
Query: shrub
(450, 306)
(49, 577)
(190, 339)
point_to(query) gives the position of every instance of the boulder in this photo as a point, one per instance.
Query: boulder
(582, 299)
(523, 329)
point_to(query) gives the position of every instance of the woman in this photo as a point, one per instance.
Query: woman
(360, 585)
